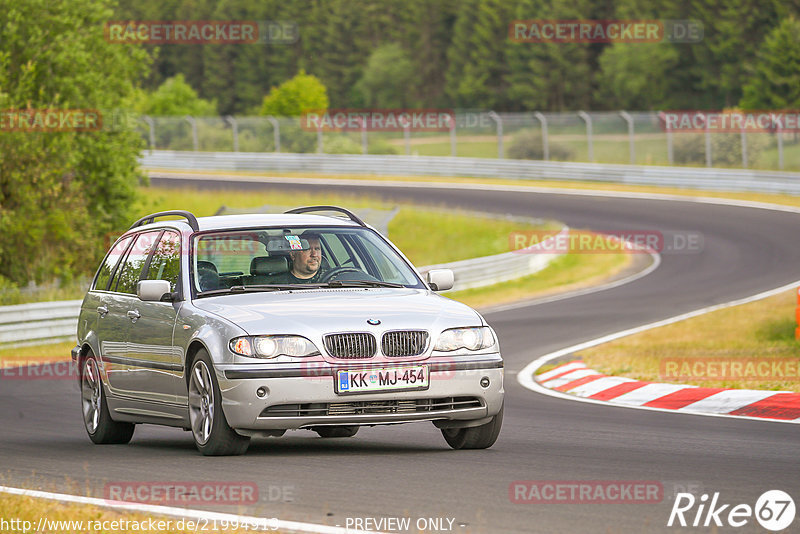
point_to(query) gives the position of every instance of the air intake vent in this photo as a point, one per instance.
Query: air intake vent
(409, 406)
(351, 346)
(404, 343)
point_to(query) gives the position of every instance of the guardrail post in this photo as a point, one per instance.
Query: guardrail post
(744, 148)
(235, 128)
(780, 147)
(670, 154)
(708, 141)
(496, 118)
(588, 120)
(276, 132)
(193, 123)
(364, 146)
(545, 144)
(149, 120)
(625, 115)
(452, 120)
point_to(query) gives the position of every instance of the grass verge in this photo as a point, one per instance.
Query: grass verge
(34, 354)
(761, 331)
(23, 514)
(565, 273)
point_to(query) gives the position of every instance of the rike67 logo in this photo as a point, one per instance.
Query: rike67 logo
(774, 510)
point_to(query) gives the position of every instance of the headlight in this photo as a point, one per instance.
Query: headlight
(273, 346)
(465, 338)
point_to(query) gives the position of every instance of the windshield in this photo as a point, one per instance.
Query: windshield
(296, 257)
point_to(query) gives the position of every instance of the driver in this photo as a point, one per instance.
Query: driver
(305, 263)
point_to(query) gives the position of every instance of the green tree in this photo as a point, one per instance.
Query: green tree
(61, 193)
(386, 79)
(775, 79)
(292, 98)
(638, 77)
(341, 48)
(548, 76)
(477, 70)
(174, 97)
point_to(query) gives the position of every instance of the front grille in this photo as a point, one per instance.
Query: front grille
(410, 406)
(352, 346)
(404, 343)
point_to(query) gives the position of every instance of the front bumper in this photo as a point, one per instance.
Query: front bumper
(303, 396)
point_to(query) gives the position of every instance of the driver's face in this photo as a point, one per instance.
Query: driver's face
(305, 263)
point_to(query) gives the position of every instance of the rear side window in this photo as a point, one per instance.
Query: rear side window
(165, 263)
(111, 261)
(128, 275)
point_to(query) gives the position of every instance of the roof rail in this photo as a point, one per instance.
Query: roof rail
(147, 219)
(353, 217)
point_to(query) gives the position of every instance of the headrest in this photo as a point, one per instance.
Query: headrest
(206, 265)
(262, 265)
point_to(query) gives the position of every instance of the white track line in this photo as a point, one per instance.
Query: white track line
(525, 376)
(185, 513)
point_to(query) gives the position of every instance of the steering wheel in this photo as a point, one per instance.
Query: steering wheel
(337, 271)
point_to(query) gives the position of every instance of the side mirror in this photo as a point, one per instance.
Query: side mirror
(153, 290)
(440, 279)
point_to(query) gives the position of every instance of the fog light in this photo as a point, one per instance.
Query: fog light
(485, 382)
(261, 392)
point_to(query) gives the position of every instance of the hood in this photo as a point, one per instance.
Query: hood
(313, 313)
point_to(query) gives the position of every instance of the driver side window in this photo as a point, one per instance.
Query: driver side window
(340, 251)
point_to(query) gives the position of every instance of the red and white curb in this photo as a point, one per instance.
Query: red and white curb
(575, 378)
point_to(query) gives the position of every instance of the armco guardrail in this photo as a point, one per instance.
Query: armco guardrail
(692, 177)
(46, 322)
(40, 322)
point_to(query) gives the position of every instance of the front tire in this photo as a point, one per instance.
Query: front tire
(478, 437)
(212, 434)
(97, 420)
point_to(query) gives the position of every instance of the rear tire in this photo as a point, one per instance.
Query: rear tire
(336, 431)
(212, 434)
(477, 437)
(97, 420)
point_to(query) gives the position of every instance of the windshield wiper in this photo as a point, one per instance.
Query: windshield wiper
(256, 288)
(361, 283)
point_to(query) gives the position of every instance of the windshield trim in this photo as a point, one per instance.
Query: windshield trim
(196, 236)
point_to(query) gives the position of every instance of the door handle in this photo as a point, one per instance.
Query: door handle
(133, 315)
(102, 310)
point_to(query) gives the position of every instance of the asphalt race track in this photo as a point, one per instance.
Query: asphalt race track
(408, 471)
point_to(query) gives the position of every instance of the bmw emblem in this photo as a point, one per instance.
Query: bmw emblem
(373, 322)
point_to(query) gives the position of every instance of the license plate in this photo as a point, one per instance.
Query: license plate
(383, 379)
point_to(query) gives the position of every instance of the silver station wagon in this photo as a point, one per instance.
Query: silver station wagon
(250, 325)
